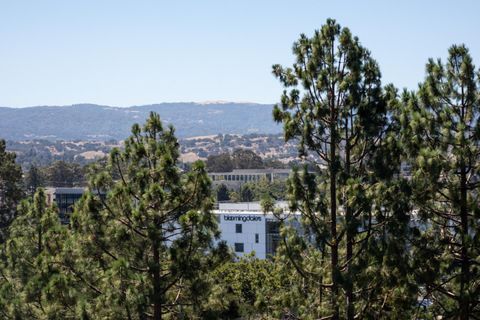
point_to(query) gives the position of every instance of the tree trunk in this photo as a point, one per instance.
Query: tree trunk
(40, 247)
(157, 290)
(348, 218)
(333, 214)
(465, 275)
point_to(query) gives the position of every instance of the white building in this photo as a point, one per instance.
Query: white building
(247, 229)
(243, 226)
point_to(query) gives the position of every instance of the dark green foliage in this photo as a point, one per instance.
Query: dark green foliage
(219, 163)
(30, 273)
(246, 159)
(64, 174)
(222, 193)
(254, 191)
(441, 130)
(334, 104)
(11, 191)
(246, 193)
(234, 196)
(240, 159)
(263, 188)
(275, 164)
(149, 243)
(254, 289)
(34, 178)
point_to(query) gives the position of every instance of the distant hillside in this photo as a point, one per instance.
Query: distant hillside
(44, 152)
(95, 122)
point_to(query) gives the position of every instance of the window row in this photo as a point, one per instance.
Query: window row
(249, 177)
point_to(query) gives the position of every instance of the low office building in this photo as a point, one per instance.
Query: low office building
(246, 229)
(237, 177)
(64, 198)
(244, 226)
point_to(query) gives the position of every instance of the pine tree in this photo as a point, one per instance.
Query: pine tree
(145, 240)
(64, 174)
(338, 111)
(222, 193)
(34, 179)
(247, 193)
(29, 272)
(441, 128)
(10, 188)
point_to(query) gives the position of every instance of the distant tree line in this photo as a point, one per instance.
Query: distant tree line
(253, 191)
(376, 242)
(58, 174)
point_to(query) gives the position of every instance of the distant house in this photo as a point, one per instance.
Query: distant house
(237, 177)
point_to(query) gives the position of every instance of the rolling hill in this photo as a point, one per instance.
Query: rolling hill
(96, 122)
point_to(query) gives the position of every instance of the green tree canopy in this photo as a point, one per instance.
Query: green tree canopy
(34, 178)
(222, 193)
(64, 174)
(145, 246)
(334, 104)
(239, 159)
(11, 191)
(29, 271)
(441, 128)
(246, 159)
(219, 163)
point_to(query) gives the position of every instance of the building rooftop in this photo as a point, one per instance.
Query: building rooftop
(247, 206)
(65, 190)
(253, 171)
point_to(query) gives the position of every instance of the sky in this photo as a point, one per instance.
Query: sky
(124, 53)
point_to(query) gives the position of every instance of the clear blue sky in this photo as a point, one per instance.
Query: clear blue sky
(135, 52)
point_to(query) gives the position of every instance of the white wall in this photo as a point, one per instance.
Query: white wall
(252, 223)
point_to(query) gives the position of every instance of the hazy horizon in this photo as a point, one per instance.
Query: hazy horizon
(206, 102)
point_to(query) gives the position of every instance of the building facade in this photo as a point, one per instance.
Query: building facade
(237, 177)
(243, 226)
(246, 229)
(64, 198)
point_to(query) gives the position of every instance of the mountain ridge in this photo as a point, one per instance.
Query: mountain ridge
(87, 121)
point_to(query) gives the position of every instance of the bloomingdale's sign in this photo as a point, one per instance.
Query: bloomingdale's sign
(242, 218)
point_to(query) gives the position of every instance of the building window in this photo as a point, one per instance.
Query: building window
(272, 237)
(239, 247)
(256, 238)
(238, 228)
